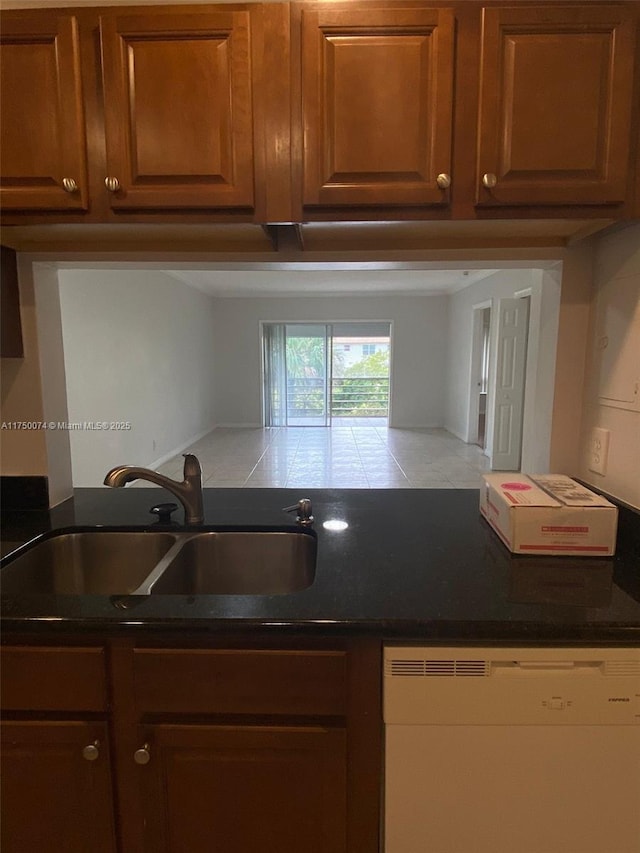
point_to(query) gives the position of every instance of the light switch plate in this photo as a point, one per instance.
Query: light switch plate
(598, 450)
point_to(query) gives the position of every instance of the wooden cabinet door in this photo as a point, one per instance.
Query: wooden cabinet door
(177, 93)
(238, 789)
(377, 105)
(42, 131)
(555, 105)
(53, 797)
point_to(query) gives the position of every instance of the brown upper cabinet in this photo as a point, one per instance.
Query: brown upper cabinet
(377, 97)
(177, 97)
(161, 100)
(555, 105)
(278, 112)
(43, 136)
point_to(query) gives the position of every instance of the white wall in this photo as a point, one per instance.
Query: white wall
(616, 294)
(52, 372)
(138, 348)
(540, 403)
(419, 330)
(545, 299)
(573, 330)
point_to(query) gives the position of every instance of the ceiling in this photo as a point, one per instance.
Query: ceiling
(234, 283)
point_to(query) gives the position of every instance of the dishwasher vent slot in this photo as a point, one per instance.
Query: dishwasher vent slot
(425, 668)
(622, 667)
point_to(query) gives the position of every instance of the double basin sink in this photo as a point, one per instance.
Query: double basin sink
(143, 562)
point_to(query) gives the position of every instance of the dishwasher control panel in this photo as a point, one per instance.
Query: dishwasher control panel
(513, 686)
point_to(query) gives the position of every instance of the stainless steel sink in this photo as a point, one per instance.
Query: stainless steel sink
(94, 563)
(243, 563)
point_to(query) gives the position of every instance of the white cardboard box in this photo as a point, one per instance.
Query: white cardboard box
(548, 514)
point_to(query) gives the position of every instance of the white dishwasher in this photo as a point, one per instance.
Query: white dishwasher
(512, 750)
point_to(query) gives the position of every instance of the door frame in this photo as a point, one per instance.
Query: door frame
(475, 373)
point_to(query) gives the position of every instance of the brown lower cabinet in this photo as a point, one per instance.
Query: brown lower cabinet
(56, 787)
(242, 788)
(230, 748)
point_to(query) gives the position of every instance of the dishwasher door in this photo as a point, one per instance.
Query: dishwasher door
(505, 750)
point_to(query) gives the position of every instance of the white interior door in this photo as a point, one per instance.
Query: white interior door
(511, 349)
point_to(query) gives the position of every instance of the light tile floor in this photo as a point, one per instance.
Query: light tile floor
(337, 457)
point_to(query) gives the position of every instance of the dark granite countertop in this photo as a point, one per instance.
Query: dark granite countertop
(412, 565)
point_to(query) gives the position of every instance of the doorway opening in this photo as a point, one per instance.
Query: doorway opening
(498, 379)
(319, 374)
(480, 374)
(483, 382)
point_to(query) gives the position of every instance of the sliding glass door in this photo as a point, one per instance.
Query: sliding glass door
(274, 372)
(308, 380)
(316, 373)
(296, 374)
(360, 354)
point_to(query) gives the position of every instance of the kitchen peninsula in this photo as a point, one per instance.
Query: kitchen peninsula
(414, 563)
(240, 684)
(138, 692)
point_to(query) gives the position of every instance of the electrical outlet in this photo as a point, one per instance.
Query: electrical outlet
(598, 450)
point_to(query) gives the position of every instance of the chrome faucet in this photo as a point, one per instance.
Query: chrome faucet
(188, 492)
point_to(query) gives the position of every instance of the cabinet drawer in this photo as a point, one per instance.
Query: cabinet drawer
(236, 681)
(47, 678)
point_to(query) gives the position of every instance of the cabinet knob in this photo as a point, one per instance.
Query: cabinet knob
(112, 184)
(69, 185)
(92, 751)
(142, 755)
(489, 180)
(443, 180)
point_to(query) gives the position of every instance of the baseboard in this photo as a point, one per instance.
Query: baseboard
(456, 433)
(238, 426)
(416, 426)
(167, 456)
